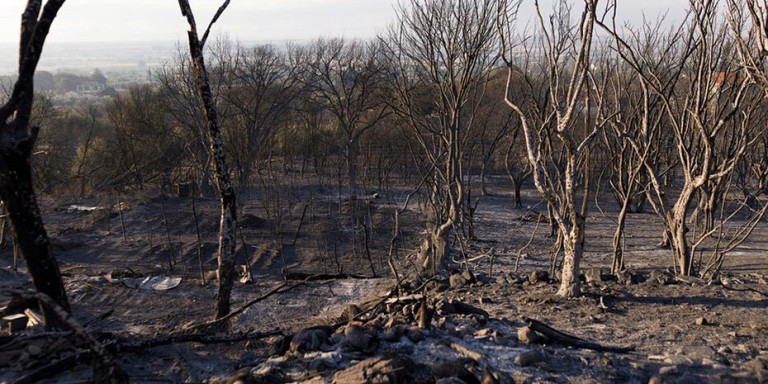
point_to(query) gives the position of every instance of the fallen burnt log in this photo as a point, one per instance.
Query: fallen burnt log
(67, 350)
(56, 367)
(566, 339)
(222, 322)
(116, 344)
(467, 309)
(202, 338)
(105, 366)
(303, 276)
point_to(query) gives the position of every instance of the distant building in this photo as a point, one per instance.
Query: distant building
(724, 85)
(723, 78)
(90, 87)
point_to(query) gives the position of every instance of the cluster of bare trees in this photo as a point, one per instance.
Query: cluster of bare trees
(669, 116)
(653, 103)
(442, 54)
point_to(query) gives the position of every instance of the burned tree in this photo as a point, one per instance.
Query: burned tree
(259, 89)
(227, 197)
(566, 54)
(346, 79)
(531, 91)
(17, 140)
(141, 147)
(181, 101)
(635, 145)
(441, 53)
(710, 111)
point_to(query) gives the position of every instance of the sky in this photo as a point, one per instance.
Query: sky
(248, 20)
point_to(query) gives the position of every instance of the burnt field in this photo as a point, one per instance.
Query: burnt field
(484, 192)
(675, 329)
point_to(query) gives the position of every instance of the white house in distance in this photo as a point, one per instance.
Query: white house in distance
(90, 87)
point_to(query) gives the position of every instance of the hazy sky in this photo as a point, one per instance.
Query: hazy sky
(247, 20)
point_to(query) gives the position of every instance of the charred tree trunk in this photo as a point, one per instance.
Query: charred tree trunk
(517, 185)
(678, 231)
(553, 228)
(572, 233)
(17, 139)
(351, 153)
(433, 251)
(227, 196)
(618, 239)
(706, 207)
(573, 247)
(3, 217)
(19, 197)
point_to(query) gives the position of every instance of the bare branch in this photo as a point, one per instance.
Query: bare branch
(213, 20)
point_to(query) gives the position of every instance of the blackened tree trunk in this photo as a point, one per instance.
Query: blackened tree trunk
(17, 139)
(19, 197)
(517, 184)
(678, 231)
(617, 265)
(228, 224)
(3, 216)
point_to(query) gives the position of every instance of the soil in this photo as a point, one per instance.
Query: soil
(681, 330)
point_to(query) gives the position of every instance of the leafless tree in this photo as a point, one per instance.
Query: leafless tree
(142, 147)
(636, 138)
(748, 21)
(709, 110)
(181, 101)
(49, 163)
(567, 50)
(496, 126)
(530, 91)
(17, 141)
(259, 88)
(712, 114)
(441, 52)
(227, 196)
(83, 163)
(346, 78)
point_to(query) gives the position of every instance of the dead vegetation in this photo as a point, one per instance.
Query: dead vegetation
(315, 276)
(466, 324)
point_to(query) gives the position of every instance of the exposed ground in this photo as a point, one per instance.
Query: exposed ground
(682, 330)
